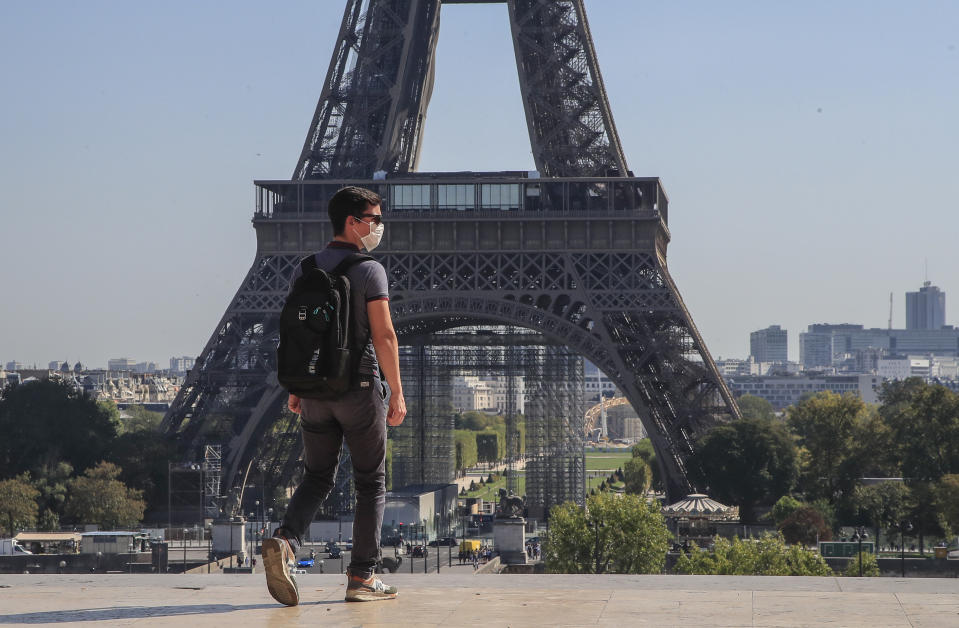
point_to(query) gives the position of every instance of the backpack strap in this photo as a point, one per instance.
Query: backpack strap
(349, 261)
(308, 263)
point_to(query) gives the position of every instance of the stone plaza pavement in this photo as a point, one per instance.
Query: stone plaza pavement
(451, 599)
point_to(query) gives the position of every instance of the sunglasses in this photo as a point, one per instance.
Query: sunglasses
(376, 218)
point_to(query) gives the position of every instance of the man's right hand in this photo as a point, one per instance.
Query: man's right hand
(294, 404)
(397, 410)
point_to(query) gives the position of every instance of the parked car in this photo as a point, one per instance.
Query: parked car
(349, 543)
(420, 551)
(305, 563)
(335, 552)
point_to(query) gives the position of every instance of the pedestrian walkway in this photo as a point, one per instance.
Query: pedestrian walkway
(484, 600)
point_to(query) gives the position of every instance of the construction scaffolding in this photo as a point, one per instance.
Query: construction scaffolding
(555, 466)
(212, 463)
(423, 443)
(423, 446)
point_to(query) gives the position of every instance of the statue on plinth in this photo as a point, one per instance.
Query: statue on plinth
(510, 506)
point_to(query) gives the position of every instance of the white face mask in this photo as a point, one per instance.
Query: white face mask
(372, 240)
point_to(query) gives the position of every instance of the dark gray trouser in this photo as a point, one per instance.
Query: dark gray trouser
(359, 417)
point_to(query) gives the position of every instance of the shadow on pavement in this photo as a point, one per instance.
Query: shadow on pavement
(126, 612)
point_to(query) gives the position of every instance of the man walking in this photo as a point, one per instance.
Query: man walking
(358, 416)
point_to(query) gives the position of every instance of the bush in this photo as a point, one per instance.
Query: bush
(766, 556)
(869, 566)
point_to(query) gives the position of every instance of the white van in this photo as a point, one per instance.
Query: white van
(10, 547)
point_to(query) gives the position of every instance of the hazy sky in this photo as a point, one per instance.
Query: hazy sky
(809, 150)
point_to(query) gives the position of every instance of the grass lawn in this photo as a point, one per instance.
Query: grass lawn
(490, 492)
(607, 461)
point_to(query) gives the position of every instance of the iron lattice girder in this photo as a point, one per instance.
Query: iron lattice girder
(373, 105)
(371, 111)
(570, 124)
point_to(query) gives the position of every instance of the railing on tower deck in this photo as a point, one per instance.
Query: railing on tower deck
(450, 195)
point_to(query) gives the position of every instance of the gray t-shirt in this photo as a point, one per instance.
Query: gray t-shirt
(367, 283)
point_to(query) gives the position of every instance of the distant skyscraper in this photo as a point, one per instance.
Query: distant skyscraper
(926, 309)
(768, 345)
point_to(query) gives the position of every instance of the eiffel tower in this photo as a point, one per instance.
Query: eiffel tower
(575, 250)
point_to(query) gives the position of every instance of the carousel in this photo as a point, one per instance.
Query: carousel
(695, 518)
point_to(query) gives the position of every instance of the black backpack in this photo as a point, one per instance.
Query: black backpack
(317, 356)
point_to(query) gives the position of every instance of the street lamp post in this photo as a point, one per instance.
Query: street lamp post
(184, 549)
(859, 535)
(209, 546)
(903, 527)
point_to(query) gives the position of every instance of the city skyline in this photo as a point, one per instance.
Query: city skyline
(806, 182)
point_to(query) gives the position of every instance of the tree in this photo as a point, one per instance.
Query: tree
(766, 556)
(746, 462)
(805, 526)
(47, 422)
(881, 505)
(51, 483)
(874, 449)
(783, 508)
(143, 453)
(752, 407)
(637, 475)
(922, 512)
(466, 455)
(627, 536)
(947, 501)
(98, 496)
(139, 419)
(644, 449)
(477, 421)
(18, 504)
(924, 420)
(826, 425)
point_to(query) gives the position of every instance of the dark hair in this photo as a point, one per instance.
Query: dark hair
(350, 201)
